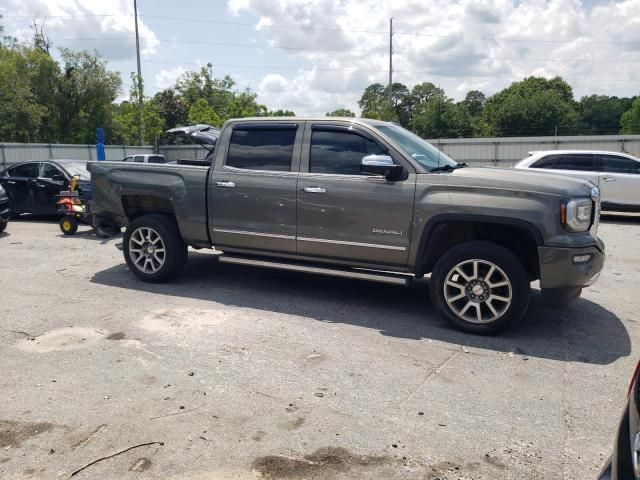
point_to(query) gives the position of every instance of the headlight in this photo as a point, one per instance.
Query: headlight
(576, 214)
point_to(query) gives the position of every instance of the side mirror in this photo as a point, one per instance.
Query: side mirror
(383, 165)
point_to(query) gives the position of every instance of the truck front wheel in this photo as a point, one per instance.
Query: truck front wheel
(480, 287)
(154, 249)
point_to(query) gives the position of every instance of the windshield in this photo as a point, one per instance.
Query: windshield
(423, 152)
(77, 169)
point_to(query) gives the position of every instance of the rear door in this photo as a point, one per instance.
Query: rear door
(252, 194)
(20, 186)
(620, 180)
(343, 214)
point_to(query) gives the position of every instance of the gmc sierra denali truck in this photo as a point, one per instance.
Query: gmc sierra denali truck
(364, 199)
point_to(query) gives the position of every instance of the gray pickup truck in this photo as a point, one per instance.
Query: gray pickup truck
(362, 199)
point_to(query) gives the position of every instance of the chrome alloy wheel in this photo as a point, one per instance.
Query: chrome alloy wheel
(147, 250)
(477, 291)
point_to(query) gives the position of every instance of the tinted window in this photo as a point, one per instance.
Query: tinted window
(549, 161)
(340, 152)
(156, 159)
(616, 164)
(576, 161)
(50, 171)
(261, 149)
(29, 170)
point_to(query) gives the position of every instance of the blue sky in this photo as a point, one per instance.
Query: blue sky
(312, 56)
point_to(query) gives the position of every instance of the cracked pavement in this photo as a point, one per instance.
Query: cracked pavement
(246, 373)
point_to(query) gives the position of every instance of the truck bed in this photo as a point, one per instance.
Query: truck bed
(122, 190)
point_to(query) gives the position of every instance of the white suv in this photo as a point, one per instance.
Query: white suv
(617, 174)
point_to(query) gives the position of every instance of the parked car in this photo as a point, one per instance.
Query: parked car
(146, 158)
(616, 174)
(363, 199)
(624, 463)
(4, 209)
(32, 187)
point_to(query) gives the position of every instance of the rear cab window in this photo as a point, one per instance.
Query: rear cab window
(262, 147)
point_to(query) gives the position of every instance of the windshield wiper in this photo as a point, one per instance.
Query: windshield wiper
(448, 168)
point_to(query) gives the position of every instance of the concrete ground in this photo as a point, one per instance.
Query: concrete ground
(239, 373)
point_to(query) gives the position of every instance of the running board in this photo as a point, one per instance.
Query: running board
(396, 279)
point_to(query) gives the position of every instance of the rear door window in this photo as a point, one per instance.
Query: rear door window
(156, 159)
(549, 161)
(617, 164)
(577, 161)
(263, 148)
(27, 170)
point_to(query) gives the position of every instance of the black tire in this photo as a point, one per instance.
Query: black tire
(509, 268)
(12, 213)
(68, 225)
(560, 297)
(3, 225)
(175, 250)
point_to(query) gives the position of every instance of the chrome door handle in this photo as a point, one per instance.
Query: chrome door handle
(11, 182)
(225, 184)
(609, 179)
(315, 190)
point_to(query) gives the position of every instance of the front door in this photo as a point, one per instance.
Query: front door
(253, 187)
(48, 186)
(619, 180)
(343, 214)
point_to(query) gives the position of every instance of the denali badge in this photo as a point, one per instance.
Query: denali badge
(387, 232)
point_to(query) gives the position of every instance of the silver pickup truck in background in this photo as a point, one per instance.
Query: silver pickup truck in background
(365, 199)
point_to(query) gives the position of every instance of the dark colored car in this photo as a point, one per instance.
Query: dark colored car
(624, 463)
(32, 187)
(4, 209)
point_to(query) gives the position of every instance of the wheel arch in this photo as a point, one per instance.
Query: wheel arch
(444, 231)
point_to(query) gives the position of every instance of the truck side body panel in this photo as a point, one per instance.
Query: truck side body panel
(120, 186)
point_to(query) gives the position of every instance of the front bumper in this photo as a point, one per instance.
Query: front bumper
(558, 268)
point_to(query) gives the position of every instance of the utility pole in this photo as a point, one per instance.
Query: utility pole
(140, 93)
(390, 60)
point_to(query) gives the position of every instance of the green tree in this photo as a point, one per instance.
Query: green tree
(202, 112)
(171, 108)
(374, 103)
(280, 113)
(85, 91)
(631, 119)
(440, 117)
(533, 106)
(341, 112)
(601, 114)
(21, 116)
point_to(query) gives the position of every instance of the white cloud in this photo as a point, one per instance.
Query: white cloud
(106, 26)
(460, 45)
(273, 83)
(166, 78)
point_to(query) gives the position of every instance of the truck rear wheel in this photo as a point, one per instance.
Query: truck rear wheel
(154, 249)
(480, 287)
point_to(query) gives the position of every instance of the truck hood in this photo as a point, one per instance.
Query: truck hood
(522, 180)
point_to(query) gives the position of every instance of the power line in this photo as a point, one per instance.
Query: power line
(335, 29)
(373, 70)
(313, 49)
